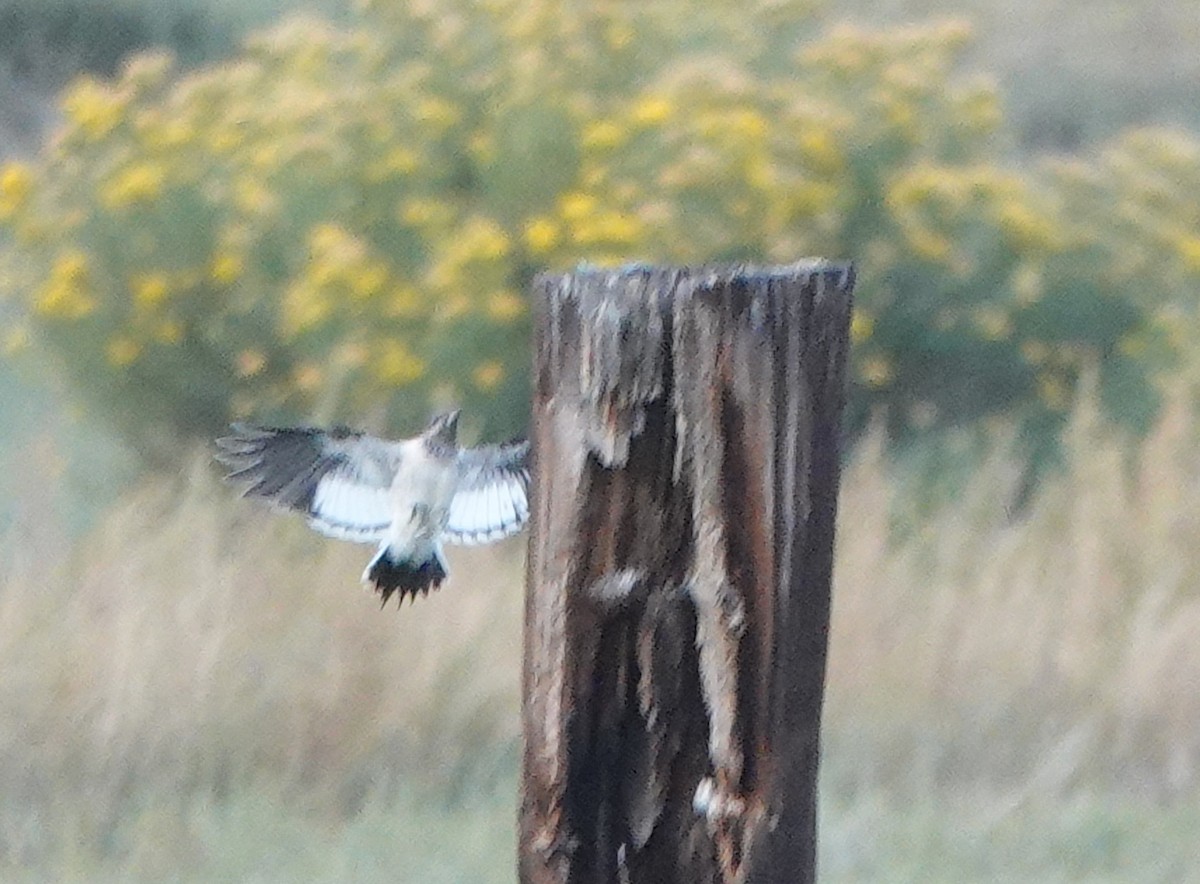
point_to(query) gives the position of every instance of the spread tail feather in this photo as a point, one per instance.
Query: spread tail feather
(391, 574)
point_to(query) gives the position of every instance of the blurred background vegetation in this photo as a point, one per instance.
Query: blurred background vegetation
(320, 211)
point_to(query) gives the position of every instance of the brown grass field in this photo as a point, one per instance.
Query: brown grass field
(201, 691)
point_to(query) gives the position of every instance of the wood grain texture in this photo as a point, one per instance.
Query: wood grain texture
(686, 451)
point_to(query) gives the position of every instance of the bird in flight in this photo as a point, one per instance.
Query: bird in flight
(408, 497)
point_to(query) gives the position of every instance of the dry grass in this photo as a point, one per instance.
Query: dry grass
(196, 646)
(1035, 654)
(201, 690)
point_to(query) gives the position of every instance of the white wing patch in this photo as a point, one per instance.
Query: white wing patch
(350, 510)
(492, 511)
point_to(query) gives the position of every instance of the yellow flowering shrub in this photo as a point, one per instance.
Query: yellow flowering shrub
(342, 221)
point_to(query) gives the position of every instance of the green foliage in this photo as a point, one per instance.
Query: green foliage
(48, 40)
(343, 222)
(45, 42)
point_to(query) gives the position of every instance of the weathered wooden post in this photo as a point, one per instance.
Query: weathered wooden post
(686, 443)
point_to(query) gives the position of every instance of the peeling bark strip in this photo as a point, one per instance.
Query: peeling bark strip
(686, 433)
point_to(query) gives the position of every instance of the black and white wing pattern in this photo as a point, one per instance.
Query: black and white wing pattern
(492, 497)
(339, 479)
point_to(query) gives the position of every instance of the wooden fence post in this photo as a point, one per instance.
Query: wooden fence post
(686, 444)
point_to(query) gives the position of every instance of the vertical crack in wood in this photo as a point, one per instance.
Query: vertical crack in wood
(621, 355)
(685, 435)
(703, 352)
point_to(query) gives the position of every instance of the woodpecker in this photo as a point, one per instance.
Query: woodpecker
(408, 496)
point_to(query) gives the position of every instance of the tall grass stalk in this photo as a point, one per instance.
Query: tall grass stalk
(201, 684)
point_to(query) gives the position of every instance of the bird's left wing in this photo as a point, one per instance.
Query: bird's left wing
(338, 479)
(492, 498)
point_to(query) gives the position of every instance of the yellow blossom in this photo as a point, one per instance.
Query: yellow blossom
(955, 32)
(876, 371)
(982, 110)
(401, 160)
(1133, 345)
(445, 274)
(418, 212)
(488, 375)
(266, 156)
(861, 326)
(484, 238)
(225, 139)
(327, 238)
(147, 70)
(1052, 391)
(759, 173)
(169, 331)
(396, 364)
(310, 59)
(436, 112)
(577, 205)
(603, 134)
(607, 227)
(504, 306)
(96, 111)
(651, 111)
(170, 135)
(122, 351)
(926, 244)
(150, 290)
(993, 323)
(482, 146)
(65, 294)
(405, 302)
(71, 265)
(304, 308)
(917, 186)
(900, 115)
(541, 235)
(139, 183)
(1027, 229)
(820, 150)
(16, 182)
(251, 197)
(1027, 284)
(749, 124)
(619, 34)
(1189, 249)
(368, 280)
(811, 198)
(225, 268)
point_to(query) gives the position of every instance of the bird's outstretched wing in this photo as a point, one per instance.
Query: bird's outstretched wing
(338, 479)
(492, 500)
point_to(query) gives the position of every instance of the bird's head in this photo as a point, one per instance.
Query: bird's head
(443, 429)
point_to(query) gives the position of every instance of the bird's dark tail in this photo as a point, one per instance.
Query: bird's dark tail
(392, 574)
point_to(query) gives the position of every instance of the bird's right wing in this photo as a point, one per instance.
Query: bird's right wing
(340, 479)
(492, 500)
